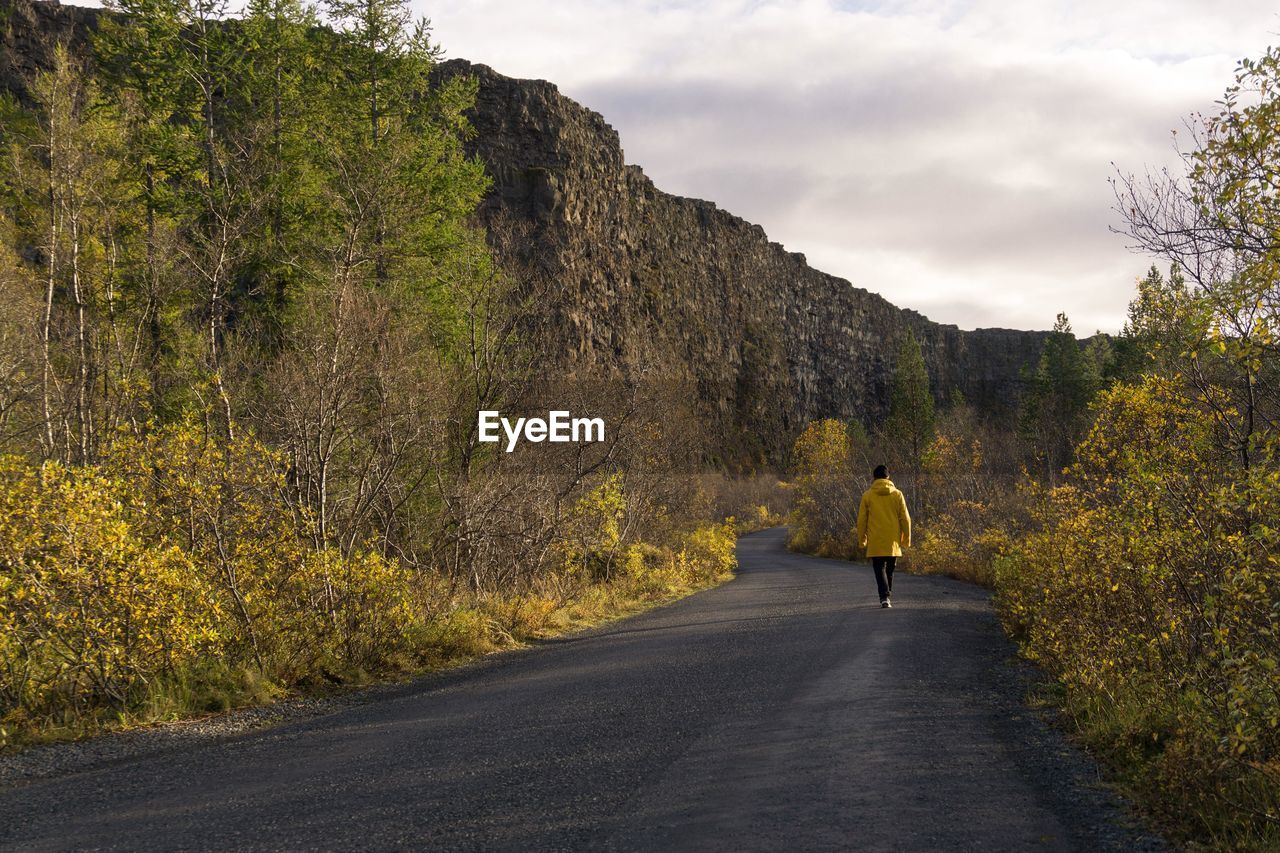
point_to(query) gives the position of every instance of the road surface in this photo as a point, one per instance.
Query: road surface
(782, 711)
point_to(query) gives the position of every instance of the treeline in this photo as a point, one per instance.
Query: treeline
(1129, 522)
(247, 323)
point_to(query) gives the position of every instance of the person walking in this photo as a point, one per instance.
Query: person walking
(884, 529)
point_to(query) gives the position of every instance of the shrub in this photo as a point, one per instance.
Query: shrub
(964, 541)
(825, 497)
(179, 561)
(757, 501)
(223, 504)
(178, 576)
(708, 553)
(595, 533)
(1151, 592)
(90, 613)
(360, 610)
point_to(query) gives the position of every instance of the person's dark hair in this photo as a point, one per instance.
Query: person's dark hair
(880, 473)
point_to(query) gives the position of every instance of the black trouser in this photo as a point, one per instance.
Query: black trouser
(883, 567)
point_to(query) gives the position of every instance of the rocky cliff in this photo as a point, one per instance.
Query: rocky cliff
(644, 279)
(638, 280)
(29, 31)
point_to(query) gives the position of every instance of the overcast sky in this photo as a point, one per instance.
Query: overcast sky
(952, 155)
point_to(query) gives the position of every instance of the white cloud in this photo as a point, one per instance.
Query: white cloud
(951, 155)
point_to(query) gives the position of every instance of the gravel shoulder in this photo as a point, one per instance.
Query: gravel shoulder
(783, 710)
(51, 760)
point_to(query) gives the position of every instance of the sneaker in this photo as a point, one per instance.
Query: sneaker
(885, 603)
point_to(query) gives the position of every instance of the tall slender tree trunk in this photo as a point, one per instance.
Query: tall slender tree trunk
(216, 226)
(277, 153)
(84, 381)
(51, 282)
(155, 337)
(375, 119)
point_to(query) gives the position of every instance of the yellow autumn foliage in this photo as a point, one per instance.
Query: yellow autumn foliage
(289, 603)
(598, 547)
(177, 552)
(1151, 592)
(591, 545)
(90, 611)
(825, 497)
(180, 563)
(973, 519)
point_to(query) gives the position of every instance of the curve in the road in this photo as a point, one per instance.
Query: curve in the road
(784, 710)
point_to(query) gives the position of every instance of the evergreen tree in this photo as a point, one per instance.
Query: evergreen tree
(1165, 322)
(911, 420)
(1056, 404)
(283, 87)
(135, 54)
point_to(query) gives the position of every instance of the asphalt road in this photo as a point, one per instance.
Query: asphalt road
(784, 711)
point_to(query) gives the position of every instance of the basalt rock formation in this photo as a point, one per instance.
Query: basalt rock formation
(643, 279)
(29, 32)
(640, 281)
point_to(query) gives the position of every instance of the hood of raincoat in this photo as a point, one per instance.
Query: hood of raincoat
(883, 486)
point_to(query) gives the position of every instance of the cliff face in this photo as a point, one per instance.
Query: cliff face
(29, 31)
(639, 281)
(645, 279)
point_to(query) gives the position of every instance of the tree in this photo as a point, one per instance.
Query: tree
(1055, 408)
(135, 53)
(1219, 223)
(911, 422)
(388, 57)
(825, 503)
(392, 280)
(19, 348)
(67, 187)
(283, 90)
(1165, 321)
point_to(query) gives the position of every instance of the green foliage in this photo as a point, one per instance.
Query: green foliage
(1165, 319)
(1218, 224)
(1179, 481)
(911, 422)
(64, 181)
(248, 321)
(1055, 405)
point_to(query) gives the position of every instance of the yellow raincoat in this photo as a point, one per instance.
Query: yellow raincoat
(884, 525)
